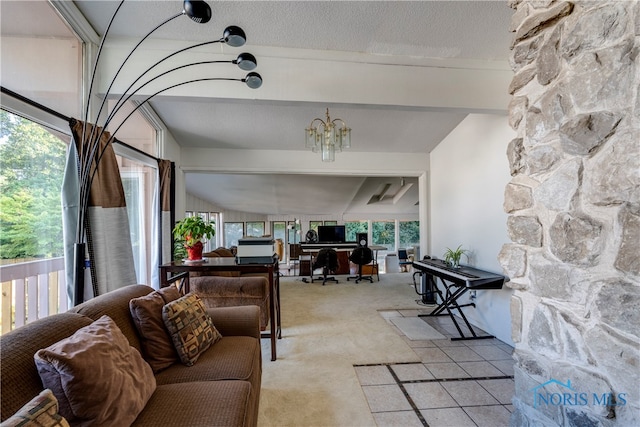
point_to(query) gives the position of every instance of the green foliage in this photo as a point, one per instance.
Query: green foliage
(31, 169)
(452, 257)
(353, 228)
(193, 229)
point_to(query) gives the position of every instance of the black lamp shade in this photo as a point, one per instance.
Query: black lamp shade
(198, 10)
(234, 36)
(253, 80)
(246, 61)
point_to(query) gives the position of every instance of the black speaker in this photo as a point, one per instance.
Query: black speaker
(362, 240)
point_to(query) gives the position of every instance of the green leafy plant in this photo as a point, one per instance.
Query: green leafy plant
(452, 256)
(193, 230)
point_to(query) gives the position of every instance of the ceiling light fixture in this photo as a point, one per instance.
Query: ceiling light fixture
(90, 153)
(326, 137)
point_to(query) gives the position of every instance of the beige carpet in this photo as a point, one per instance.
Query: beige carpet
(325, 331)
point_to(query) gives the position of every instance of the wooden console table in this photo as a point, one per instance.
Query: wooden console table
(179, 270)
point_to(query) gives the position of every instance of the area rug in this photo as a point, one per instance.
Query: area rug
(416, 329)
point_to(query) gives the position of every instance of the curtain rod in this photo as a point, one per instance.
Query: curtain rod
(46, 109)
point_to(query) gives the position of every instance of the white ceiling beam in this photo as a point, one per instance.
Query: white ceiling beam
(366, 79)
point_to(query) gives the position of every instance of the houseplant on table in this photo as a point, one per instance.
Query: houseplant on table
(192, 231)
(452, 256)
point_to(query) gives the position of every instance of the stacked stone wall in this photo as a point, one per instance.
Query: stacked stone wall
(574, 212)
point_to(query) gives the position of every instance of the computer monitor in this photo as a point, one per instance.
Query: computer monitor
(331, 233)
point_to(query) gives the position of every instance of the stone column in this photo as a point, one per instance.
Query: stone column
(574, 206)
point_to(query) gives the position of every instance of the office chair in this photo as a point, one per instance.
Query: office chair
(361, 256)
(327, 259)
(403, 260)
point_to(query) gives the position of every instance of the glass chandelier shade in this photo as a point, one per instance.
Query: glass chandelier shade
(326, 137)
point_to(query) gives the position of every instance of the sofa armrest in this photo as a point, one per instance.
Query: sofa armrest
(237, 321)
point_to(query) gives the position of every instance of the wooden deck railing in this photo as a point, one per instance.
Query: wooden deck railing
(32, 290)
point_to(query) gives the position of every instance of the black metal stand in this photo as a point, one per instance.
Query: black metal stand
(450, 302)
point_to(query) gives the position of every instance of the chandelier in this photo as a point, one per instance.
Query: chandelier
(326, 137)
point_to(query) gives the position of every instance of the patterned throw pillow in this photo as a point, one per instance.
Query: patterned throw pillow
(41, 411)
(190, 327)
(146, 312)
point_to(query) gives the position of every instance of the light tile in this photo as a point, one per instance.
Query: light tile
(387, 314)
(494, 416)
(467, 393)
(429, 395)
(446, 370)
(481, 369)
(462, 354)
(505, 366)
(374, 375)
(394, 419)
(409, 313)
(447, 417)
(449, 343)
(491, 352)
(386, 398)
(431, 355)
(509, 408)
(412, 372)
(418, 343)
(503, 390)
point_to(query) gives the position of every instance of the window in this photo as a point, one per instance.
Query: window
(255, 228)
(313, 225)
(32, 160)
(331, 223)
(384, 234)
(233, 231)
(293, 232)
(279, 230)
(409, 233)
(139, 178)
(355, 227)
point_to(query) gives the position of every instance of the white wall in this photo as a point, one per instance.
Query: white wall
(469, 172)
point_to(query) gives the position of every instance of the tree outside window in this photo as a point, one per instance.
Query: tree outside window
(31, 168)
(255, 228)
(384, 234)
(355, 227)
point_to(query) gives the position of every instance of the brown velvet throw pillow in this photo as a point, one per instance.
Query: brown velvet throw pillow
(190, 327)
(146, 311)
(97, 377)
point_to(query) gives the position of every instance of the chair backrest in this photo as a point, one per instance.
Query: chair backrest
(361, 256)
(327, 257)
(402, 255)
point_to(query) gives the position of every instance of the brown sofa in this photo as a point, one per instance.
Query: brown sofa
(221, 388)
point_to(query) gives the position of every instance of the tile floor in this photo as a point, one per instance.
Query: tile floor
(458, 383)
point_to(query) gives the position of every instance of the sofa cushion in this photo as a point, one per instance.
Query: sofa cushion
(157, 345)
(115, 304)
(190, 327)
(41, 411)
(200, 403)
(97, 377)
(232, 358)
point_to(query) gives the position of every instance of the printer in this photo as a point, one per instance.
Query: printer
(256, 250)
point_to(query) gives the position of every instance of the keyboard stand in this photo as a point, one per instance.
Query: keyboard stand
(450, 302)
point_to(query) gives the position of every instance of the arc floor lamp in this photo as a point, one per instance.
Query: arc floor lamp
(90, 153)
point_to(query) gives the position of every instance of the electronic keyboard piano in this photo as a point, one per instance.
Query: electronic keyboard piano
(456, 282)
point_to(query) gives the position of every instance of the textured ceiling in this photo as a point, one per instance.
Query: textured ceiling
(454, 35)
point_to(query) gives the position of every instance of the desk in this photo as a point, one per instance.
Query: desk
(180, 271)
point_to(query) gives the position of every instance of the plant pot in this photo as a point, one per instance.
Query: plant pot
(194, 253)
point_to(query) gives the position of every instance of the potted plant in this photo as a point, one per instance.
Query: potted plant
(192, 231)
(452, 256)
